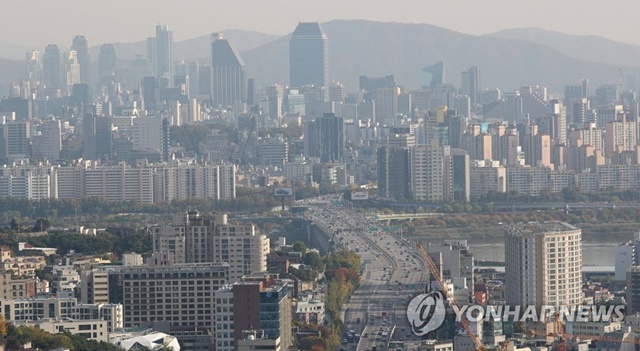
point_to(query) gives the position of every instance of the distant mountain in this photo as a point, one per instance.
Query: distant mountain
(585, 47)
(358, 47)
(192, 48)
(12, 51)
(10, 71)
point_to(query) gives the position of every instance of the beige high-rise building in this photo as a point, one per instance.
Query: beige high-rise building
(430, 173)
(543, 265)
(94, 286)
(195, 239)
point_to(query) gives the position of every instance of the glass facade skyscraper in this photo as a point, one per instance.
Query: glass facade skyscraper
(308, 56)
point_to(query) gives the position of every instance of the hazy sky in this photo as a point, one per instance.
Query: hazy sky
(38, 22)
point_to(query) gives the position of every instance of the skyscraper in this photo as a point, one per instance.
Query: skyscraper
(435, 74)
(393, 172)
(544, 264)
(229, 76)
(97, 137)
(81, 47)
(34, 66)
(325, 138)
(107, 62)
(160, 50)
(52, 67)
(471, 84)
(308, 56)
(71, 70)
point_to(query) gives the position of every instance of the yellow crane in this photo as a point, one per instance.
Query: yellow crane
(477, 341)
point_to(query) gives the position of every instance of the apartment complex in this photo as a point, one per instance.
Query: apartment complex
(145, 183)
(195, 239)
(544, 264)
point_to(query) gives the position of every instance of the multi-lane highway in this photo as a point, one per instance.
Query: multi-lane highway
(393, 272)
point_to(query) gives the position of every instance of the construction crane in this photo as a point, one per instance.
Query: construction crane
(477, 341)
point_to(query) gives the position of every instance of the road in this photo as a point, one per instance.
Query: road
(393, 272)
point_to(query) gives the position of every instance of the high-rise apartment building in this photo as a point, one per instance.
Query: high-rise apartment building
(52, 67)
(81, 47)
(543, 265)
(308, 56)
(195, 239)
(431, 175)
(229, 75)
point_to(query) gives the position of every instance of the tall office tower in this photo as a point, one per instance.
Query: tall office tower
(337, 93)
(573, 94)
(147, 133)
(261, 321)
(229, 75)
(187, 309)
(308, 56)
(34, 66)
(275, 96)
(97, 137)
(107, 63)
(193, 70)
(81, 47)
(204, 82)
(18, 139)
(460, 168)
(70, 71)
(161, 50)
(462, 103)
(251, 91)
(434, 75)
(52, 67)
(325, 138)
(393, 172)
(387, 105)
(149, 93)
(471, 84)
(50, 139)
(544, 265)
(608, 94)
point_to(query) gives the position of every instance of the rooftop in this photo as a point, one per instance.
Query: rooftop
(540, 228)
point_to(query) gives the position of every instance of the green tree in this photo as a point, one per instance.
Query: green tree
(313, 260)
(299, 246)
(41, 225)
(15, 226)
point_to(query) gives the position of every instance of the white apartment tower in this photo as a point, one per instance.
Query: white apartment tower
(544, 264)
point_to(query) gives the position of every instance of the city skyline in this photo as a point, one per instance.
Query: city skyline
(463, 16)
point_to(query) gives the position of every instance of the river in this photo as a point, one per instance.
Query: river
(593, 254)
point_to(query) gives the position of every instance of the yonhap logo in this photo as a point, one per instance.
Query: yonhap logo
(426, 312)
